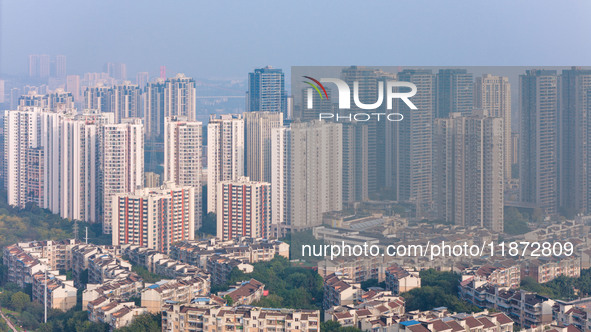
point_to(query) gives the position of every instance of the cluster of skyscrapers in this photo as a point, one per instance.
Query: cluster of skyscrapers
(276, 167)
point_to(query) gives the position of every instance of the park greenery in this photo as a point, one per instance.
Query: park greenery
(288, 286)
(561, 288)
(438, 289)
(17, 306)
(515, 222)
(33, 223)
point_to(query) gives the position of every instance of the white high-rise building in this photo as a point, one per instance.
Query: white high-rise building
(154, 217)
(126, 101)
(182, 157)
(98, 98)
(142, 78)
(225, 153)
(493, 94)
(53, 162)
(79, 169)
(32, 158)
(258, 143)
(306, 174)
(73, 86)
(123, 163)
(244, 209)
(2, 92)
(180, 97)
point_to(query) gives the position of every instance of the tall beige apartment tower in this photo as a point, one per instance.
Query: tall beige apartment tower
(182, 157)
(307, 174)
(468, 179)
(258, 143)
(123, 163)
(538, 168)
(225, 153)
(493, 94)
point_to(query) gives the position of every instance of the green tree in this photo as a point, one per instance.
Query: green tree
(514, 222)
(144, 323)
(19, 301)
(209, 225)
(229, 300)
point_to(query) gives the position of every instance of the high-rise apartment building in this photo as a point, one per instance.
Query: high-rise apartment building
(574, 151)
(306, 175)
(182, 157)
(53, 161)
(60, 66)
(180, 97)
(117, 71)
(225, 153)
(493, 94)
(79, 169)
(98, 98)
(55, 101)
(244, 209)
(411, 142)
(123, 163)
(154, 217)
(468, 179)
(369, 81)
(73, 86)
(39, 65)
(258, 126)
(2, 91)
(33, 65)
(154, 109)
(44, 66)
(355, 162)
(266, 91)
(32, 135)
(142, 78)
(538, 169)
(126, 101)
(455, 90)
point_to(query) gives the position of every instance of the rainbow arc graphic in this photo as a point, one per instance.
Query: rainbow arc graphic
(316, 86)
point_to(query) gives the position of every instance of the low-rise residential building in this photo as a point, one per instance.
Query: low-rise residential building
(375, 305)
(544, 269)
(186, 318)
(480, 322)
(121, 289)
(106, 266)
(527, 309)
(61, 293)
(573, 313)
(219, 267)
(206, 254)
(181, 290)
(159, 263)
(115, 313)
(245, 292)
(339, 290)
(502, 274)
(400, 280)
(21, 265)
(358, 270)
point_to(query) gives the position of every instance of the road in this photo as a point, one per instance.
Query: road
(8, 322)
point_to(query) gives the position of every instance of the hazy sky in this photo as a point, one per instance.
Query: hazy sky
(227, 39)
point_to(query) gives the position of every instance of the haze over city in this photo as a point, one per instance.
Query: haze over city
(226, 39)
